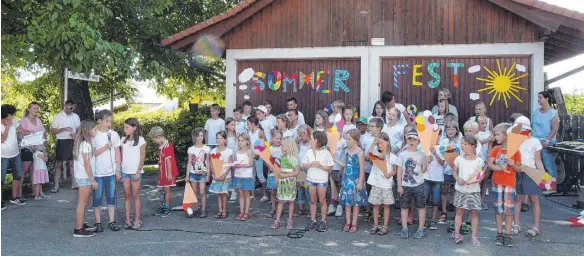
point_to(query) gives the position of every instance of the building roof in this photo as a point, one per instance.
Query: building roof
(562, 29)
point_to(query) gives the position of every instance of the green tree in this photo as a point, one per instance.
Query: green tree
(119, 40)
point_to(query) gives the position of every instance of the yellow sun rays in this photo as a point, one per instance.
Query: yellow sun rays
(503, 83)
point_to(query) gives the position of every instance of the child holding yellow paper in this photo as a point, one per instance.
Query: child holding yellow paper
(468, 191)
(286, 191)
(220, 185)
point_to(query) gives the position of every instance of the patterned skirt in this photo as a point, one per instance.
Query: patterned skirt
(380, 195)
(287, 189)
(467, 201)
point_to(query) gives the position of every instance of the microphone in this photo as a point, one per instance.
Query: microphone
(109, 137)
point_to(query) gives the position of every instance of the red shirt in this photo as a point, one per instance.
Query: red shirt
(506, 178)
(165, 152)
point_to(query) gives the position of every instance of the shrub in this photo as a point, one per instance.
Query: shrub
(177, 126)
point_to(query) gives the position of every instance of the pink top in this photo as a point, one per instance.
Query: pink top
(25, 123)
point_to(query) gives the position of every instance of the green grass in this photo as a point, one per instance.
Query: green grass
(150, 169)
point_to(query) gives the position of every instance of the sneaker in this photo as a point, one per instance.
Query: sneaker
(331, 210)
(466, 229)
(233, 197)
(549, 192)
(86, 227)
(458, 239)
(158, 211)
(98, 228)
(264, 199)
(203, 214)
(420, 234)
(500, 239)
(322, 227)
(45, 196)
(404, 233)
(433, 225)
(485, 206)
(165, 212)
(22, 199)
(82, 233)
(311, 226)
(17, 202)
(339, 212)
(252, 198)
(507, 241)
(3, 206)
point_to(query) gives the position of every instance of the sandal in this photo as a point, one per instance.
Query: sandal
(276, 224)
(347, 227)
(239, 216)
(218, 215)
(224, 215)
(53, 191)
(525, 207)
(137, 225)
(270, 214)
(475, 241)
(113, 227)
(383, 231)
(533, 232)
(374, 229)
(515, 230)
(128, 225)
(290, 225)
(353, 228)
(245, 216)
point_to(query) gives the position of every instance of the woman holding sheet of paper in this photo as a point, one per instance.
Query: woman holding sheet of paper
(29, 125)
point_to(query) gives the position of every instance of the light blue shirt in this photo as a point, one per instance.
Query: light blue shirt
(541, 124)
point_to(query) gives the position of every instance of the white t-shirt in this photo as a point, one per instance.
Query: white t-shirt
(63, 120)
(348, 127)
(378, 179)
(10, 145)
(395, 134)
(225, 157)
(302, 150)
(243, 158)
(365, 141)
(232, 143)
(241, 127)
(267, 126)
(440, 121)
(131, 156)
(84, 147)
(466, 168)
(212, 127)
(105, 163)
(199, 153)
(272, 120)
(527, 151)
(341, 153)
(411, 165)
(316, 175)
(39, 164)
(484, 135)
(402, 120)
(435, 171)
(301, 118)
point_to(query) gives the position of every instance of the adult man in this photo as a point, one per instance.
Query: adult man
(65, 125)
(269, 115)
(292, 104)
(261, 114)
(10, 151)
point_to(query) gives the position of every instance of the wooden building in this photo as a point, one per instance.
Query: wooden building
(353, 50)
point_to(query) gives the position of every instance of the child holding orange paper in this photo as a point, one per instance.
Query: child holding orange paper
(220, 185)
(504, 169)
(468, 191)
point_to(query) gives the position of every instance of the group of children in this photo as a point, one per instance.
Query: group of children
(345, 178)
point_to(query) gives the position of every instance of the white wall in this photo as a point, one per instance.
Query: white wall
(370, 57)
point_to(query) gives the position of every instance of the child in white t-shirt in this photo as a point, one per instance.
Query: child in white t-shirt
(199, 170)
(381, 194)
(40, 173)
(84, 159)
(213, 125)
(433, 180)
(319, 163)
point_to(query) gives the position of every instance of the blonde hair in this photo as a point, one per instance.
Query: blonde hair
(290, 147)
(83, 135)
(285, 119)
(339, 104)
(245, 137)
(355, 134)
(156, 132)
(324, 117)
(502, 128)
(471, 124)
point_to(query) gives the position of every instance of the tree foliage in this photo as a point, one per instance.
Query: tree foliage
(119, 40)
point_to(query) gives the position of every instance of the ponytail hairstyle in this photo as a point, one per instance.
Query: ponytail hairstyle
(83, 135)
(26, 112)
(137, 133)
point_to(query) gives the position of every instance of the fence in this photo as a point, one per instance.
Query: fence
(572, 127)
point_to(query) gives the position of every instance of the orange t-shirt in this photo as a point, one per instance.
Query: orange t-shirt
(506, 178)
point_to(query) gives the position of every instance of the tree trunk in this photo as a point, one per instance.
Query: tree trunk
(79, 92)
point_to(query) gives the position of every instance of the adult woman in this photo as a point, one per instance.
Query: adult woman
(30, 124)
(444, 93)
(390, 102)
(378, 111)
(546, 123)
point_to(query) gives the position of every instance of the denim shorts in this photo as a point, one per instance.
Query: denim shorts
(336, 176)
(324, 184)
(271, 185)
(433, 191)
(16, 169)
(243, 183)
(83, 182)
(303, 195)
(129, 176)
(525, 185)
(105, 185)
(197, 178)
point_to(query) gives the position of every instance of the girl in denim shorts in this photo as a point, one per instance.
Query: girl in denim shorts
(198, 166)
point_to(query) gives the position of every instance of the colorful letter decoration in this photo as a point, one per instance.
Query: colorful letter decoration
(397, 72)
(455, 66)
(415, 74)
(290, 80)
(320, 79)
(274, 85)
(436, 82)
(257, 80)
(307, 79)
(340, 77)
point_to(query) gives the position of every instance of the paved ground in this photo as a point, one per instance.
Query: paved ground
(45, 228)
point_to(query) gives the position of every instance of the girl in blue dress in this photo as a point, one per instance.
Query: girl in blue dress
(353, 193)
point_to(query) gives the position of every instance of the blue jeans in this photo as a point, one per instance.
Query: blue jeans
(433, 189)
(109, 184)
(259, 170)
(549, 161)
(303, 195)
(17, 167)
